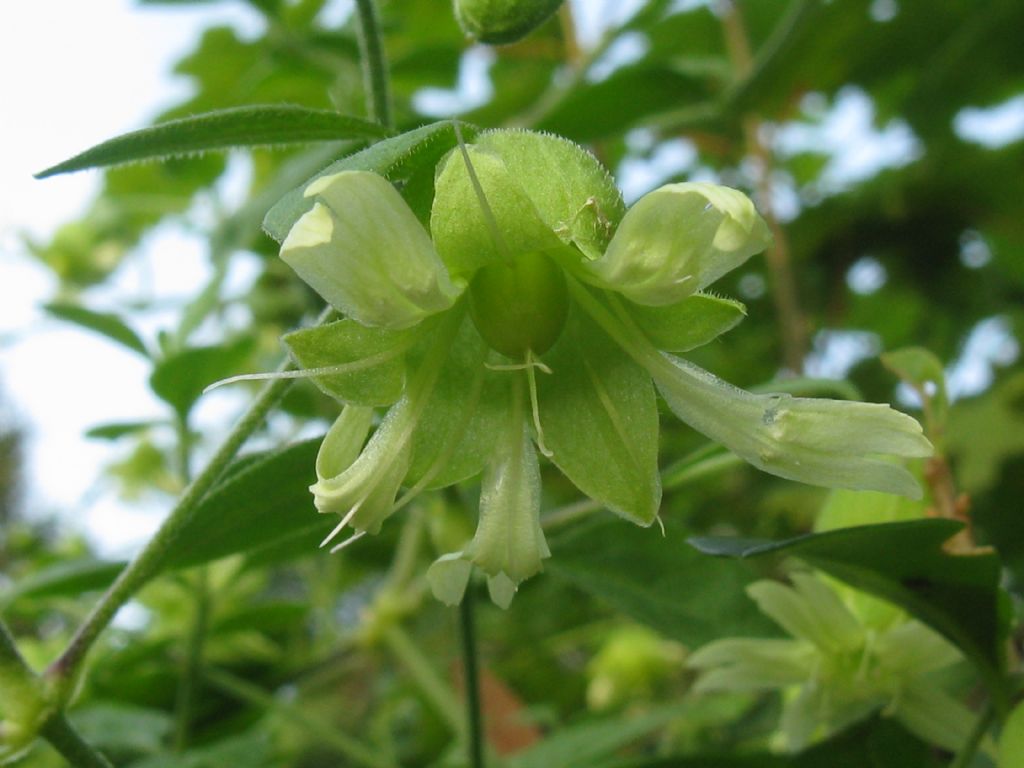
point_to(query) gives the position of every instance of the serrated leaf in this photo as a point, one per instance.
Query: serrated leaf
(904, 562)
(600, 421)
(390, 158)
(375, 354)
(255, 126)
(658, 581)
(262, 504)
(180, 378)
(104, 323)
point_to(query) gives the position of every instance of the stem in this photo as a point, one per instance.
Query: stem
(148, 562)
(192, 667)
(792, 325)
(328, 735)
(76, 751)
(474, 718)
(430, 683)
(375, 65)
(966, 754)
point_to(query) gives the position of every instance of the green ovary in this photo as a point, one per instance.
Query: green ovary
(520, 306)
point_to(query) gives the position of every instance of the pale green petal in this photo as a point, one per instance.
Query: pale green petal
(364, 493)
(932, 714)
(679, 239)
(509, 539)
(687, 324)
(815, 441)
(749, 664)
(501, 590)
(466, 236)
(364, 251)
(448, 577)
(810, 612)
(911, 649)
(344, 441)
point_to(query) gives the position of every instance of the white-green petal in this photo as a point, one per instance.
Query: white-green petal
(809, 611)
(933, 715)
(679, 239)
(831, 443)
(344, 441)
(448, 577)
(751, 664)
(364, 492)
(364, 251)
(509, 539)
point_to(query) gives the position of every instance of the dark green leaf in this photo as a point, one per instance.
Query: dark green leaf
(394, 158)
(107, 324)
(256, 126)
(265, 503)
(64, 579)
(957, 595)
(181, 378)
(659, 581)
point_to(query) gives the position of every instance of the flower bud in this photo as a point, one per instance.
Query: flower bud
(502, 21)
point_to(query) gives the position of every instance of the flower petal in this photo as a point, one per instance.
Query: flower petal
(687, 324)
(679, 239)
(809, 611)
(751, 664)
(815, 441)
(364, 251)
(448, 577)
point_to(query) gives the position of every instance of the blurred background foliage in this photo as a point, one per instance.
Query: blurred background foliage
(257, 649)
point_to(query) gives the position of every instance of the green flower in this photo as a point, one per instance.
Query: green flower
(539, 313)
(847, 659)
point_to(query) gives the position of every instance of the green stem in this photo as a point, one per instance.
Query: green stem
(471, 677)
(375, 65)
(76, 751)
(192, 667)
(148, 562)
(430, 683)
(355, 751)
(966, 754)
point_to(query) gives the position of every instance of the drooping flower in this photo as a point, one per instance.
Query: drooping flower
(846, 660)
(539, 314)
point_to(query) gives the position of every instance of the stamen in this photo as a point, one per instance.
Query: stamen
(531, 378)
(519, 366)
(346, 542)
(338, 528)
(661, 525)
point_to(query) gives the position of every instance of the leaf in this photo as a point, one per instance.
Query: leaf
(923, 371)
(657, 581)
(104, 323)
(580, 745)
(123, 728)
(957, 595)
(68, 578)
(263, 504)
(391, 158)
(180, 378)
(375, 354)
(254, 126)
(600, 421)
(118, 429)
(688, 324)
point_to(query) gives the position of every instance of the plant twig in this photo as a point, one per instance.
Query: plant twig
(375, 66)
(471, 679)
(148, 562)
(66, 740)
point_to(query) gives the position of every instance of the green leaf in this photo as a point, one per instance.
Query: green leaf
(123, 728)
(119, 429)
(180, 378)
(923, 371)
(376, 357)
(658, 581)
(104, 323)
(392, 158)
(261, 505)
(688, 324)
(255, 126)
(600, 421)
(580, 745)
(68, 578)
(957, 595)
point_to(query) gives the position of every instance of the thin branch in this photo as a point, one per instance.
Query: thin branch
(470, 667)
(375, 66)
(71, 745)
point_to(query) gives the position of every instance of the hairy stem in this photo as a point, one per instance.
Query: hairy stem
(470, 667)
(76, 751)
(148, 562)
(375, 66)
